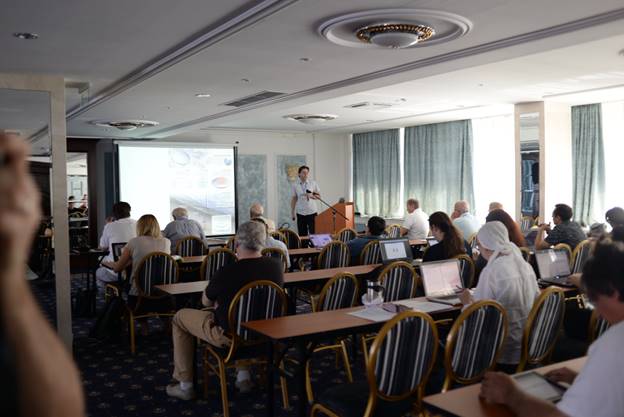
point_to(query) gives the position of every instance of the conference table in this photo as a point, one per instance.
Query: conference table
(304, 331)
(291, 279)
(465, 401)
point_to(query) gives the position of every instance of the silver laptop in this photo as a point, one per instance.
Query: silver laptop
(442, 281)
(553, 266)
(393, 250)
(320, 240)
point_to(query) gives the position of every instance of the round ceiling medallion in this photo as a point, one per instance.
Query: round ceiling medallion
(394, 28)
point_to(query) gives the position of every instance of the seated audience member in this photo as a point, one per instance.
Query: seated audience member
(72, 210)
(271, 242)
(37, 374)
(565, 230)
(508, 279)
(495, 205)
(597, 230)
(374, 231)
(120, 230)
(450, 241)
(615, 217)
(212, 326)
(415, 224)
(467, 224)
(148, 239)
(182, 227)
(257, 211)
(513, 230)
(597, 390)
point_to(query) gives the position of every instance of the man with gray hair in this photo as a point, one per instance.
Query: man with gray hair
(212, 325)
(463, 220)
(182, 227)
(256, 211)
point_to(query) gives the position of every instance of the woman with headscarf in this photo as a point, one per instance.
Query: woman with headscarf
(509, 280)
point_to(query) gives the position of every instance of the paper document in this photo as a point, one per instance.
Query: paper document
(373, 314)
(424, 306)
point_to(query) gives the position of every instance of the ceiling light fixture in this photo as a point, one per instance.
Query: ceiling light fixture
(311, 119)
(395, 35)
(27, 36)
(125, 125)
(304, 59)
(202, 95)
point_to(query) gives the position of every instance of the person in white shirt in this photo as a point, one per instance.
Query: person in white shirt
(597, 390)
(508, 279)
(304, 193)
(416, 222)
(463, 220)
(121, 230)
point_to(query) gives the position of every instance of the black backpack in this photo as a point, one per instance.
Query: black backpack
(108, 324)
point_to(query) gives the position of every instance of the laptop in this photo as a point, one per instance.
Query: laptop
(320, 240)
(554, 267)
(442, 281)
(393, 250)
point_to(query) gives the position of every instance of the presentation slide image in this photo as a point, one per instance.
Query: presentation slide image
(156, 180)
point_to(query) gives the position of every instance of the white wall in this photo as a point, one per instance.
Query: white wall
(326, 155)
(556, 158)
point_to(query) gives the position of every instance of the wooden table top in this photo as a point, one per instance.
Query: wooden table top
(182, 288)
(465, 401)
(317, 274)
(303, 251)
(288, 327)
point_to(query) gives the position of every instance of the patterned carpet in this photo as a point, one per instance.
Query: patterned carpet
(118, 384)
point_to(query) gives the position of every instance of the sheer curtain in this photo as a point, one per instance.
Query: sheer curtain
(588, 166)
(376, 172)
(613, 136)
(438, 164)
(494, 164)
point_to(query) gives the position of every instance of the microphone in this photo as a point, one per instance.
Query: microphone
(311, 192)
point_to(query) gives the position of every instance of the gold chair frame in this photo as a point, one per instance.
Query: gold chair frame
(528, 327)
(374, 393)
(268, 251)
(143, 296)
(576, 252)
(366, 249)
(341, 231)
(229, 360)
(471, 266)
(323, 254)
(204, 264)
(451, 341)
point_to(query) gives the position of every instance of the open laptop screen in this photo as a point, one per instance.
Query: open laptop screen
(320, 240)
(395, 250)
(441, 278)
(552, 263)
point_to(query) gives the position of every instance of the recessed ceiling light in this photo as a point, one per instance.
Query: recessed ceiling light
(202, 95)
(311, 119)
(245, 80)
(304, 59)
(26, 35)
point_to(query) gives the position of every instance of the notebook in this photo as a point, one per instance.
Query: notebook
(320, 240)
(442, 281)
(554, 267)
(537, 385)
(395, 250)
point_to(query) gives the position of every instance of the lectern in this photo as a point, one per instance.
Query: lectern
(327, 222)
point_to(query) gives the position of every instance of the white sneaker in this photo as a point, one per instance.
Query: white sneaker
(176, 391)
(244, 386)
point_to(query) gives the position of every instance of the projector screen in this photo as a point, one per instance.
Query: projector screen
(156, 178)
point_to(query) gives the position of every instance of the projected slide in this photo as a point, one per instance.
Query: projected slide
(156, 180)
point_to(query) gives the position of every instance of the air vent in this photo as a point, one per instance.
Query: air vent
(311, 119)
(125, 124)
(261, 96)
(369, 106)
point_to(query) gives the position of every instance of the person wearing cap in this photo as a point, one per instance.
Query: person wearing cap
(508, 279)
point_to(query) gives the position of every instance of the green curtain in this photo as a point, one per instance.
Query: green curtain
(588, 170)
(438, 165)
(376, 174)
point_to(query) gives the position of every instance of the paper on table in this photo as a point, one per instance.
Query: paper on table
(424, 306)
(373, 314)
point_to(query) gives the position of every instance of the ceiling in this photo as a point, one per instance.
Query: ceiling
(141, 63)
